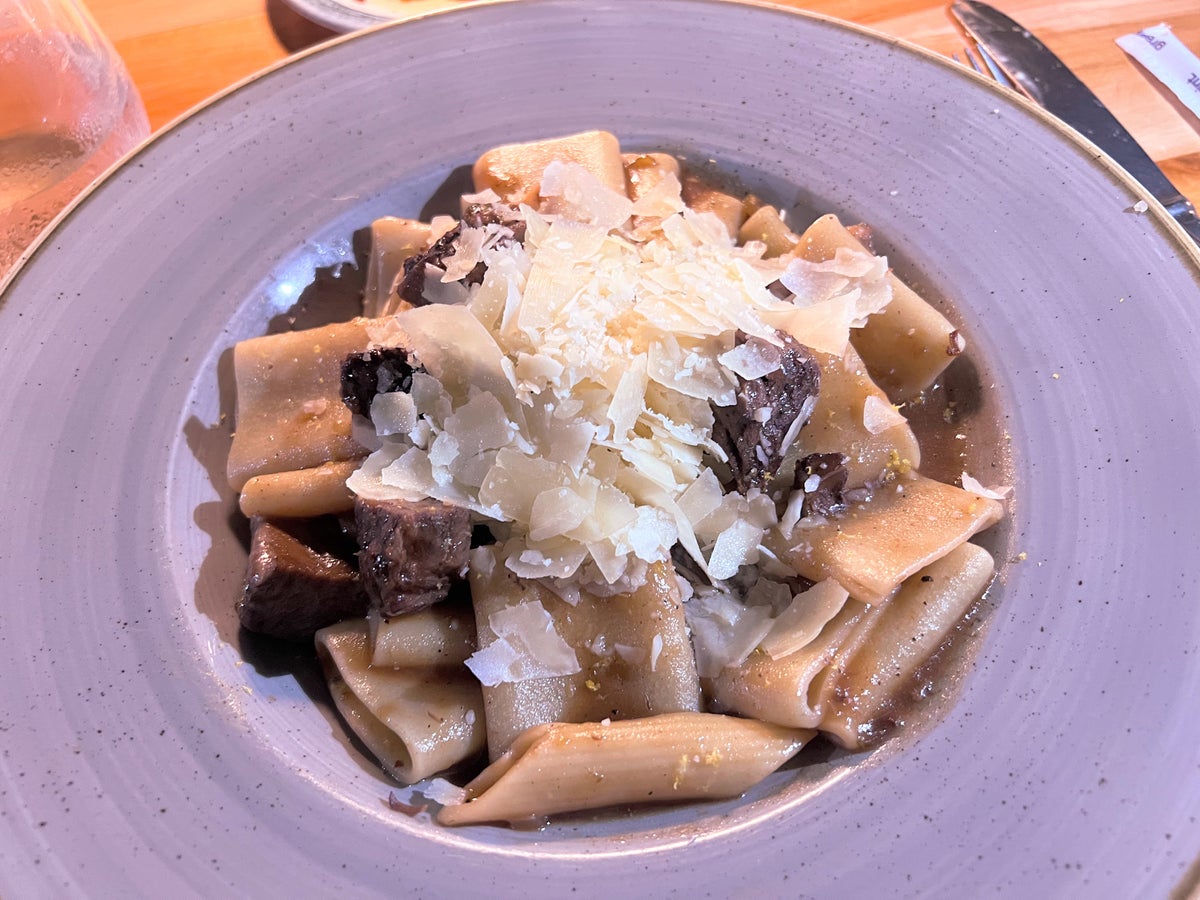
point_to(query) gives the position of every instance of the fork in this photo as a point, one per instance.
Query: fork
(978, 58)
(1065, 96)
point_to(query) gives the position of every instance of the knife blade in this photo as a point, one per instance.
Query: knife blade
(1047, 81)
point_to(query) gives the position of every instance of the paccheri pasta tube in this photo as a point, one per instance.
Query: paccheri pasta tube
(621, 484)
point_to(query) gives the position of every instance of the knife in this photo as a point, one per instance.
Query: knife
(1046, 80)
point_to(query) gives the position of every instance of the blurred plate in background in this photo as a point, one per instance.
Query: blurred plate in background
(351, 15)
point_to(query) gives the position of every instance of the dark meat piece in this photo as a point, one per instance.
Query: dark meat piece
(292, 589)
(787, 395)
(478, 215)
(410, 551)
(481, 536)
(348, 528)
(686, 567)
(778, 291)
(826, 498)
(412, 285)
(375, 372)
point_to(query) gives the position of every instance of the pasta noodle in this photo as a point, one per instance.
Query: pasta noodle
(766, 225)
(839, 423)
(417, 722)
(730, 211)
(681, 756)
(393, 240)
(301, 494)
(895, 640)
(633, 652)
(443, 635)
(907, 344)
(514, 171)
(780, 690)
(881, 541)
(290, 413)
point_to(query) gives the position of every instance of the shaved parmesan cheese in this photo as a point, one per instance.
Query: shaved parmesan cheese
(651, 535)
(735, 547)
(584, 197)
(810, 283)
(454, 347)
(526, 646)
(701, 497)
(557, 560)
(467, 256)
(439, 790)
(879, 415)
(412, 472)
(663, 199)
(856, 263)
(850, 275)
(558, 511)
(724, 630)
(635, 656)
(629, 399)
(393, 413)
(998, 492)
(824, 327)
(538, 369)
(800, 623)
(569, 444)
(480, 424)
(752, 359)
(765, 592)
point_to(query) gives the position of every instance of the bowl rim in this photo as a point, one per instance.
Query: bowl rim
(1159, 214)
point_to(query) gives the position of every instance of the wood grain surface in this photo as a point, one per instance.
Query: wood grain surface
(181, 53)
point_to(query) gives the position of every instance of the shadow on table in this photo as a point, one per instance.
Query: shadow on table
(293, 30)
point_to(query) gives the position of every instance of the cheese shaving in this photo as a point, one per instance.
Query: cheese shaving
(972, 484)
(526, 646)
(725, 631)
(800, 623)
(879, 415)
(570, 393)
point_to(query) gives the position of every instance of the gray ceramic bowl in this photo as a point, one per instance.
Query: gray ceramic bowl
(145, 748)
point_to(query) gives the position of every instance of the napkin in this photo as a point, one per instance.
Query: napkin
(1168, 60)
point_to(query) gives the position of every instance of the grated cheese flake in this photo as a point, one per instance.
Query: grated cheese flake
(724, 630)
(526, 646)
(879, 415)
(798, 625)
(972, 484)
(570, 393)
(735, 547)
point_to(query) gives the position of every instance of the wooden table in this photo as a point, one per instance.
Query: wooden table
(180, 53)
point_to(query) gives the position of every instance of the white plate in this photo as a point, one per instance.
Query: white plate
(146, 750)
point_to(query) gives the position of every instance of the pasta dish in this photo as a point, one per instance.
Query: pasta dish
(608, 496)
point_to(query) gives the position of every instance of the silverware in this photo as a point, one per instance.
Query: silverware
(1012, 51)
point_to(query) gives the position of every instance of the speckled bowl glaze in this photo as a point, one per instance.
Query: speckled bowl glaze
(146, 748)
